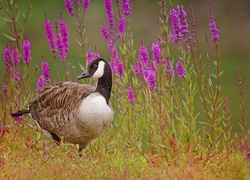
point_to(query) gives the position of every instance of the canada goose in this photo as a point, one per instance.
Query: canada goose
(77, 112)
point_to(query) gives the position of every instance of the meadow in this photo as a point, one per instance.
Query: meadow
(172, 120)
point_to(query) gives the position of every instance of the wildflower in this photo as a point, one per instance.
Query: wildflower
(169, 67)
(138, 68)
(17, 118)
(150, 78)
(64, 34)
(214, 30)
(120, 67)
(50, 35)
(113, 65)
(60, 47)
(156, 53)
(121, 27)
(7, 58)
(248, 155)
(126, 7)
(40, 83)
(143, 55)
(26, 51)
(85, 4)
(15, 56)
(16, 75)
(130, 94)
(182, 20)
(180, 70)
(46, 72)
(109, 13)
(69, 7)
(175, 25)
(105, 32)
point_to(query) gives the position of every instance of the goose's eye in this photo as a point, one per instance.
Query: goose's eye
(95, 66)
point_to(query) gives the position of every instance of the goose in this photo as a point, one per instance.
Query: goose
(76, 112)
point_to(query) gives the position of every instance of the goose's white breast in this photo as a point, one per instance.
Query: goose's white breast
(94, 113)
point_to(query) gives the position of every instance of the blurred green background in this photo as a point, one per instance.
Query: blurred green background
(233, 21)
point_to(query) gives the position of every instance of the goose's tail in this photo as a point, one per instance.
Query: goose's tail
(20, 113)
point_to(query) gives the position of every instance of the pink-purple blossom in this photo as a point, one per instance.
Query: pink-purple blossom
(85, 4)
(26, 52)
(46, 72)
(17, 118)
(60, 47)
(180, 70)
(150, 78)
(92, 56)
(126, 8)
(121, 27)
(69, 7)
(50, 35)
(15, 56)
(120, 67)
(109, 13)
(130, 94)
(7, 58)
(182, 20)
(214, 30)
(40, 83)
(156, 53)
(64, 34)
(16, 75)
(143, 55)
(105, 32)
(169, 67)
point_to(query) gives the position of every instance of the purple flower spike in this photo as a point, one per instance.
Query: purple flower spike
(85, 4)
(180, 70)
(130, 94)
(15, 56)
(126, 7)
(26, 52)
(156, 53)
(69, 7)
(16, 75)
(60, 47)
(50, 35)
(92, 56)
(46, 72)
(7, 58)
(40, 83)
(109, 13)
(143, 55)
(214, 31)
(17, 118)
(64, 34)
(121, 27)
(182, 20)
(150, 78)
(169, 67)
(175, 25)
(120, 67)
(105, 32)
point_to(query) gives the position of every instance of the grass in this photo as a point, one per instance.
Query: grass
(179, 127)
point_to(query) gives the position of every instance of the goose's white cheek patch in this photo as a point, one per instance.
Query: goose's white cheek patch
(100, 70)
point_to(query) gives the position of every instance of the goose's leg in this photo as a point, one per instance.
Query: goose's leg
(81, 147)
(56, 138)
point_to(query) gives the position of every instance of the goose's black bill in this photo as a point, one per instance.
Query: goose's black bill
(85, 74)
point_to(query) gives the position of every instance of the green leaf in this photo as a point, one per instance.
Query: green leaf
(9, 37)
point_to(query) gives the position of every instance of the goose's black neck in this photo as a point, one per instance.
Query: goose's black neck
(104, 86)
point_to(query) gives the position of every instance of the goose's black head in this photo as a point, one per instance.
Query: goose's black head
(99, 68)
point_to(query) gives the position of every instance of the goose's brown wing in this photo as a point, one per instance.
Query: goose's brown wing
(55, 106)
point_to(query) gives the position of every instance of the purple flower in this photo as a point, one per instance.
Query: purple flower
(150, 78)
(156, 53)
(126, 7)
(26, 52)
(15, 56)
(16, 75)
(130, 94)
(113, 65)
(46, 72)
(120, 67)
(7, 58)
(60, 47)
(92, 56)
(169, 67)
(143, 55)
(121, 27)
(64, 34)
(138, 68)
(109, 13)
(69, 7)
(180, 70)
(85, 4)
(17, 118)
(105, 32)
(182, 20)
(214, 30)
(40, 83)
(50, 35)
(175, 25)
(248, 155)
